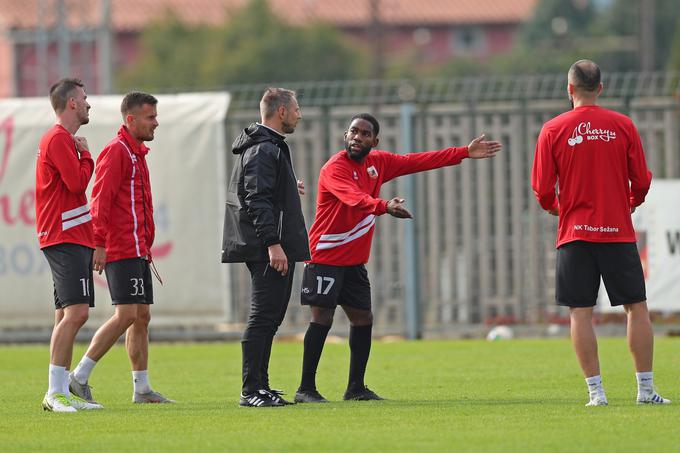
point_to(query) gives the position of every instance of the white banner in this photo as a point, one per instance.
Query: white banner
(186, 163)
(657, 223)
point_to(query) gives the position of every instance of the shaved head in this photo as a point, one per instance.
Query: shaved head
(585, 75)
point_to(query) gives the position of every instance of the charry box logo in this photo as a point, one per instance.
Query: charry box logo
(585, 130)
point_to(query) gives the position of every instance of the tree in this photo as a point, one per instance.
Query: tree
(254, 46)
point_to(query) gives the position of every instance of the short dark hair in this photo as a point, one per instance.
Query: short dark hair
(370, 118)
(61, 91)
(135, 99)
(273, 98)
(585, 75)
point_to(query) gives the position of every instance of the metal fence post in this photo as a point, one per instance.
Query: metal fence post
(411, 266)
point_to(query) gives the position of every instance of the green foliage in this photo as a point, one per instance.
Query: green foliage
(556, 22)
(623, 19)
(254, 46)
(518, 395)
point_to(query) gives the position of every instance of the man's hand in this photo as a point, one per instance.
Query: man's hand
(395, 208)
(481, 149)
(555, 212)
(278, 259)
(301, 187)
(99, 259)
(81, 144)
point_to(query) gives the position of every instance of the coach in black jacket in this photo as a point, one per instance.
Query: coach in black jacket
(264, 228)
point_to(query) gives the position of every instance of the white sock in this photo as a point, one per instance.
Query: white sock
(66, 391)
(84, 369)
(595, 388)
(56, 380)
(645, 381)
(140, 381)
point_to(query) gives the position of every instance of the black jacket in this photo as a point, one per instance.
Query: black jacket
(263, 204)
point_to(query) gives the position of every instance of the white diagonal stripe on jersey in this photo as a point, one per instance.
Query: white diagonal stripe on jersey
(132, 198)
(75, 212)
(342, 236)
(357, 234)
(75, 222)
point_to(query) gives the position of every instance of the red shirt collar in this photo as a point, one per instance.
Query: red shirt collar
(136, 147)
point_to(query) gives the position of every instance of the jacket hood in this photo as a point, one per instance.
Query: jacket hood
(252, 135)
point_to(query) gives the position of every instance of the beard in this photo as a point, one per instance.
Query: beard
(357, 155)
(571, 102)
(287, 128)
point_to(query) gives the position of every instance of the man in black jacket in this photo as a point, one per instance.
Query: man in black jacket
(264, 228)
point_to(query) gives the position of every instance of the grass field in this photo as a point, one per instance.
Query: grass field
(520, 395)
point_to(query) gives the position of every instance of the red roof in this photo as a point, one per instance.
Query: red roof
(133, 15)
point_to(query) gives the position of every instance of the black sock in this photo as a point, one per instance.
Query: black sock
(266, 353)
(314, 341)
(360, 347)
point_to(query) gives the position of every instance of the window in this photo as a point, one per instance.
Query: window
(468, 40)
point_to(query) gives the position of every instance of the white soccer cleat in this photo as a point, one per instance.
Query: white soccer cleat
(651, 398)
(599, 400)
(58, 403)
(82, 405)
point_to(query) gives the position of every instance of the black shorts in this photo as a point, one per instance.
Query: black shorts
(71, 266)
(129, 281)
(580, 265)
(329, 286)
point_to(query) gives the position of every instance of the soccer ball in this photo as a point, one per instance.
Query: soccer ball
(500, 333)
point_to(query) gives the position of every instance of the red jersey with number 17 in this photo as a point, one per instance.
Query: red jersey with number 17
(347, 202)
(595, 156)
(61, 178)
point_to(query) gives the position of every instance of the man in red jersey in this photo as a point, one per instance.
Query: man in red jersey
(340, 242)
(595, 156)
(124, 230)
(64, 168)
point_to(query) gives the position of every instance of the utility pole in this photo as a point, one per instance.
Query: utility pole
(104, 49)
(376, 33)
(647, 41)
(63, 40)
(41, 43)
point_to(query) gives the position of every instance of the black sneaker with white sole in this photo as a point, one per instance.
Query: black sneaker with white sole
(309, 396)
(361, 394)
(260, 398)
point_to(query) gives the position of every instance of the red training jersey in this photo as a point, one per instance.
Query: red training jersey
(347, 202)
(595, 156)
(122, 208)
(61, 178)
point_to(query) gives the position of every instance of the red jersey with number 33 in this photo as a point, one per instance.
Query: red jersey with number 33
(347, 202)
(595, 156)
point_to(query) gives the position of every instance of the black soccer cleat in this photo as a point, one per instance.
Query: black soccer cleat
(279, 394)
(309, 396)
(260, 398)
(361, 394)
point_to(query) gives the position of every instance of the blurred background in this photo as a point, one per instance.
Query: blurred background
(436, 73)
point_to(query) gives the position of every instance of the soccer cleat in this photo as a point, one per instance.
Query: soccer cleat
(150, 397)
(279, 394)
(57, 403)
(309, 396)
(82, 391)
(260, 398)
(82, 405)
(361, 394)
(652, 398)
(599, 400)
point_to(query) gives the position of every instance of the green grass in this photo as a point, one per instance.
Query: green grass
(520, 395)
